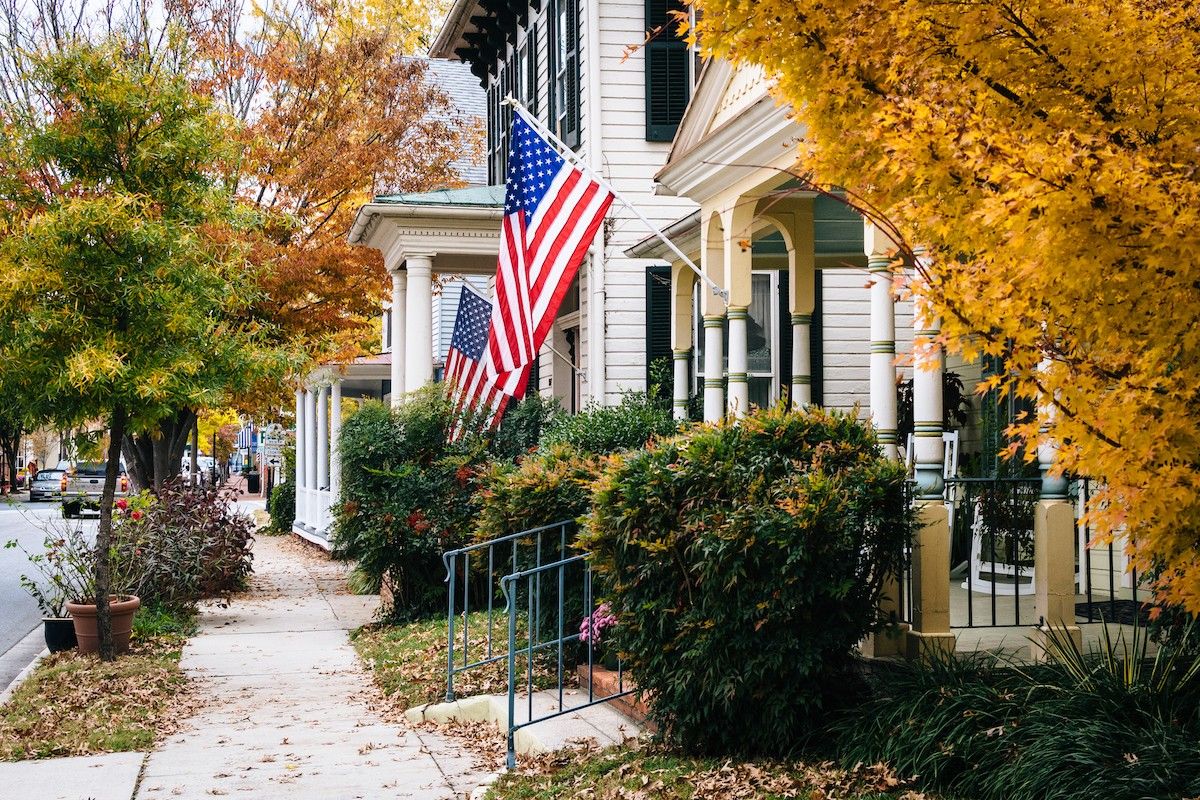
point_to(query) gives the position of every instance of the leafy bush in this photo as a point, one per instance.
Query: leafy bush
(609, 429)
(407, 496)
(554, 485)
(184, 544)
(522, 426)
(744, 562)
(281, 505)
(1112, 724)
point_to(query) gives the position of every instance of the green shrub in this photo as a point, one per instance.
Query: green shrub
(407, 496)
(1112, 724)
(610, 429)
(521, 427)
(744, 563)
(281, 505)
(551, 486)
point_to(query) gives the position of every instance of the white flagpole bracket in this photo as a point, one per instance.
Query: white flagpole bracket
(567, 153)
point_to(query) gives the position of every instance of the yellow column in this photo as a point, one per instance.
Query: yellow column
(1054, 574)
(930, 583)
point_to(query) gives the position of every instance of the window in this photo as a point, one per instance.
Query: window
(669, 66)
(658, 319)
(516, 76)
(564, 117)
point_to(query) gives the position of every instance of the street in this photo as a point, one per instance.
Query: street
(27, 523)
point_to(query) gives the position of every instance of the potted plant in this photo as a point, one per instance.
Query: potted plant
(123, 602)
(57, 578)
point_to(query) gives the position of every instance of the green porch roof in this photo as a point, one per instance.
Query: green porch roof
(480, 196)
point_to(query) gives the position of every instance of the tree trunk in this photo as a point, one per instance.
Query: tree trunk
(10, 443)
(155, 458)
(112, 471)
(195, 465)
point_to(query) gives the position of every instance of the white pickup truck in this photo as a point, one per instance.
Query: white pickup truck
(82, 486)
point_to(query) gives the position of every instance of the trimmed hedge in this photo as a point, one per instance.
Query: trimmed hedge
(744, 562)
(610, 429)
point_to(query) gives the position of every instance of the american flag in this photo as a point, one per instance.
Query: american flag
(469, 382)
(551, 213)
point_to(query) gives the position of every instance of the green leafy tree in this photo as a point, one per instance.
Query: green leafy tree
(123, 294)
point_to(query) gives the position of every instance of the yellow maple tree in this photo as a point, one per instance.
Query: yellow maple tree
(1045, 155)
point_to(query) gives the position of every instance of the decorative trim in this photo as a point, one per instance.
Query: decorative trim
(739, 377)
(801, 380)
(801, 319)
(714, 320)
(738, 313)
(714, 383)
(682, 355)
(885, 346)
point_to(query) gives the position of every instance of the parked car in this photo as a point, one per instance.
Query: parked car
(83, 486)
(46, 485)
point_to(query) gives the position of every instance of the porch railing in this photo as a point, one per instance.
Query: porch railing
(552, 650)
(502, 556)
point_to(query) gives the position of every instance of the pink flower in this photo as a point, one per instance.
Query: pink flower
(135, 515)
(122, 503)
(595, 624)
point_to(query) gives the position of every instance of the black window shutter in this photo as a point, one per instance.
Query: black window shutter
(658, 316)
(571, 132)
(785, 335)
(668, 86)
(816, 343)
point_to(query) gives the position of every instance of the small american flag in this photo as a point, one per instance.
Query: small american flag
(552, 211)
(469, 383)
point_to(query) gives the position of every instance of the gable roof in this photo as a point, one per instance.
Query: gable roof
(468, 108)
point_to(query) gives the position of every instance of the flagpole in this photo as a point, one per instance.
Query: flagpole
(569, 155)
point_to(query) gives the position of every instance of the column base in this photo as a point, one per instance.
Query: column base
(887, 643)
(920, 646)
(1040, 641)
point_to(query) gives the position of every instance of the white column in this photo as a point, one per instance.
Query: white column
(310, 456)
(418, 357)
(335, 438)
(300, 456)
(883, 341)
(714, 368)
(928, 448)
(323, 437)
(738, 395)
(680, 383)
(399, 309)
(801, 360)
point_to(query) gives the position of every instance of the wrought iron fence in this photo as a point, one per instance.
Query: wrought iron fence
(476, 571)
(991, 522)
(553, 651)
(1108, 592)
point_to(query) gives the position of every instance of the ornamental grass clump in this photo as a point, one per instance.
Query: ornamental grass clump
(1112, 723)
(744, 561)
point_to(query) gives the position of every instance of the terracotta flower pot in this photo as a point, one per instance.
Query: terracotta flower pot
(121, 610)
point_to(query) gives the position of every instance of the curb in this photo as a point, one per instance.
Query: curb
(29, 668)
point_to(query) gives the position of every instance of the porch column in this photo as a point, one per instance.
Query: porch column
(928, 448)
(418, 356)
(714, 368)
(299, 479)
(335, 438)
(323, 438)
(399, 302)
(738, 394)
(883, 339)
(931, 547)
(310, 456)
(801, 360)
(679, 399)
(682, 285)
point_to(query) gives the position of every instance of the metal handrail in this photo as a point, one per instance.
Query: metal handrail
(509, 587)
(462, 556)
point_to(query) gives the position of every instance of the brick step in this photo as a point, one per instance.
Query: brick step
(607, 683)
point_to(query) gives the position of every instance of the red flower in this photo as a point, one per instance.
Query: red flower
(135, 515)
(122, 503)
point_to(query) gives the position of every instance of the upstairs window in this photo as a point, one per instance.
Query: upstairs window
(669, 65)
(565, 113)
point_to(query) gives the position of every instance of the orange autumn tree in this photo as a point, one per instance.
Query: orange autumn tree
(1045, 155)
(334, 111)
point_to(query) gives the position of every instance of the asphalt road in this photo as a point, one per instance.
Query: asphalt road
(27, 523)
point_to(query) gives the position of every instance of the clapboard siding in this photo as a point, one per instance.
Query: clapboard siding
(846, 338)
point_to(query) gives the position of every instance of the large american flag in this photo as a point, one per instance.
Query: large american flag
(551, 213)
(467, 380)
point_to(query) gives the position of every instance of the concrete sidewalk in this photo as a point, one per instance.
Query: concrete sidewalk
(286, 708)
